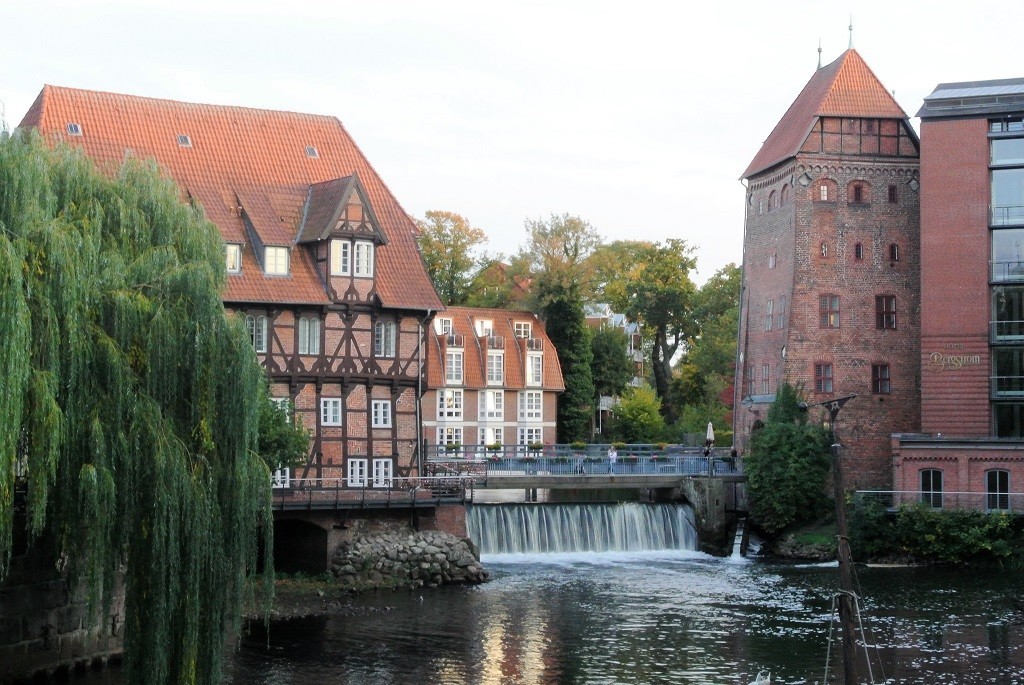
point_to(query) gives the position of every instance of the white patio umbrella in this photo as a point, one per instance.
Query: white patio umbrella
(711, 434)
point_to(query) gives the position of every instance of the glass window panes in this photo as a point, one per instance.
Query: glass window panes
(931, 488)
(257, 327)
(364, 259)
(276, 259)
(309, 336)
(997, 487)
(453, 367)
(531, 405)
(233, 257)
(330, 411)
(1007, 197)
(1009, 419)
(1007, 313)
(495, 367)
(1007, 151)
(449, 404)
(523, 329)
(357, 473)
(492, 404)
(381, 410)
(341, 258)
(1008, 371)
(384, 333)
(534, 369)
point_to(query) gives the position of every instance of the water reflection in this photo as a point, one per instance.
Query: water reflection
(672, 618)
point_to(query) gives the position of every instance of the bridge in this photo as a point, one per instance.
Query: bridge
(313, 514)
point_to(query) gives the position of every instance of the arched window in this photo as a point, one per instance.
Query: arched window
(858, 252)
(858, 193)
(784, 199)
(894, 252)
(257, 327)
(997, 482)
(931, 488)
(384, 339)
(773, 200)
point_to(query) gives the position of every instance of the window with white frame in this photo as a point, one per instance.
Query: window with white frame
(330, 411)
(449, 404)
(384, 333)
(381, 413)
(364, 259)
(449, 435)
(283, 404)
(495, 368)
(491, 435)
(534, 369)
(233, 257)
(309, 335)
(382, 472)
(523, 329)
(530, 436)
(492, 404)
(453, 367)
(531, 405)
(484, 327)
(341, 258)
(275, 261)
(442, 325)
(357, 473)
(257, 327)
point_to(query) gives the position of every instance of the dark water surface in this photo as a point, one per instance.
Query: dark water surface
(648, 618)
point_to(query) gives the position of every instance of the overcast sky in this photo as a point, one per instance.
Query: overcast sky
(637, 116)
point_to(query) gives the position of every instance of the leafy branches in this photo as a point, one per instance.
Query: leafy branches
(130, 399)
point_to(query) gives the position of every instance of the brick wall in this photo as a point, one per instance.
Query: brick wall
(954, 275)
(792, 238)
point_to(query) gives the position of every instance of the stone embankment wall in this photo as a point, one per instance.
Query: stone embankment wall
(391, 560)
(46, 627)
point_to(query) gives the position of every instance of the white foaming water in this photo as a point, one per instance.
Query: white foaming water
(531, 529)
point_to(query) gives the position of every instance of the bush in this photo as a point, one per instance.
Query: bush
(578, 445)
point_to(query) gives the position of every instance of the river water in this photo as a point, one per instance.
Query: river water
(651, 617)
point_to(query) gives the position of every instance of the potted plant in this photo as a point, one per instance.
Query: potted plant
(453, 447)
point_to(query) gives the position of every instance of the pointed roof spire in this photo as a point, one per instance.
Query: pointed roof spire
(845, 88)
(851, 33)
(819, 52)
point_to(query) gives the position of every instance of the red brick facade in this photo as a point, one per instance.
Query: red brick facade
(830, 266)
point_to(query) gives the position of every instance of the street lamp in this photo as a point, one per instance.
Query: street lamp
(845, 558)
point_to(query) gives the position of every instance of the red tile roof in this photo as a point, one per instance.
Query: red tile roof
(845, 88)
(475, 351)
(251, 158)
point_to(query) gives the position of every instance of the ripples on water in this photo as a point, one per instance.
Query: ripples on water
(657, 617)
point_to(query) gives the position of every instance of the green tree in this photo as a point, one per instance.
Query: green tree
(131, 400)
(612, 369)
(283, 442)
(447, 242)
(787, 467)
(557, 250)
(638, 416)
(650, 283)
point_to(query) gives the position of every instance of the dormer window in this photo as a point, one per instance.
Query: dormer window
(184, 140)
(74, 128)
(523, 329)
(442, 326)
(275, 261)
(363, 259)
(484, 327)
(233, 257)
(534, 369)
(341, 258)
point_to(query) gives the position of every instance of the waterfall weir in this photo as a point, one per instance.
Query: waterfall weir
(562, 528)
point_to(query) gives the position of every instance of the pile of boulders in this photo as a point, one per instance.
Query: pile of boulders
(392, 560)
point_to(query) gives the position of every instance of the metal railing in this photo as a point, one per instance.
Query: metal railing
(364, 492)
(1007, 271)
(1006, 215)
(974, 501)
(1005, 331)
(496, 342)
(535, 344)
(455, 340)
(1006, 386)
(591, 460)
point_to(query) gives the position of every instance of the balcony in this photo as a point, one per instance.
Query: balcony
(1005, 331)
(455, 340)
(1006, 387)
(1007, 272)
(1005, 215)
(495, 342)
(535, 344)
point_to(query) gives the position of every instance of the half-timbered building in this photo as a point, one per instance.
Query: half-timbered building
(321, 259)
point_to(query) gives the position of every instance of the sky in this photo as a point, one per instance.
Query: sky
(637, 116)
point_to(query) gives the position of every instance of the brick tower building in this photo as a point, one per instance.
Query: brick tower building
(830, 299)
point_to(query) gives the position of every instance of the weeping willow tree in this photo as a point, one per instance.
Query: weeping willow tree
(129, 403)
